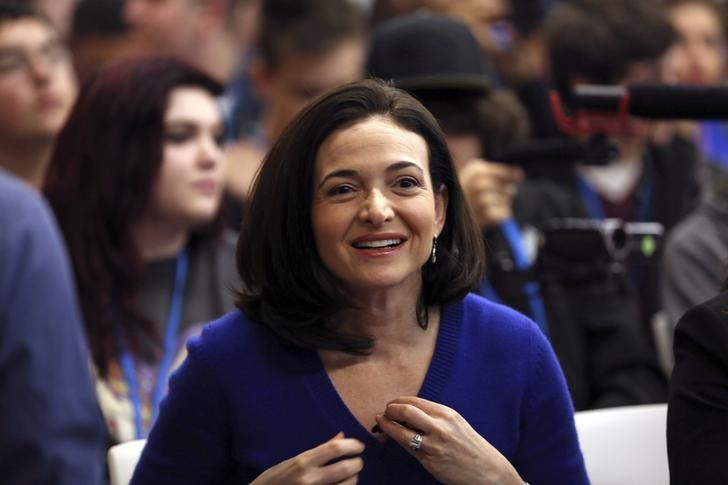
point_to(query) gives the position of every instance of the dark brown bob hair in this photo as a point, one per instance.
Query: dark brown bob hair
(285, 284)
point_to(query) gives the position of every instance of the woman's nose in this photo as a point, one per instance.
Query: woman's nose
(377, 209)
(210, 152)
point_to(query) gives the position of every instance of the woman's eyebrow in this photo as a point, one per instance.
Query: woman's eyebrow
(402, 165)
(343, 173)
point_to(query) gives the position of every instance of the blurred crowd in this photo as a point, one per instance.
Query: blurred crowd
(131, 132)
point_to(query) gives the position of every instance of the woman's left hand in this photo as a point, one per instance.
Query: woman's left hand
(451, 450)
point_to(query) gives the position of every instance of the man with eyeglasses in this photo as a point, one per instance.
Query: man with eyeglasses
(51, 427)
(37, 90)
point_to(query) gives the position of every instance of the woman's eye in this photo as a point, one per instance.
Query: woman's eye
(407, 183)
(177, 137)
(220, 139)
(340, 190)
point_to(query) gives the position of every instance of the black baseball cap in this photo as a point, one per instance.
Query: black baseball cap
(425, 51)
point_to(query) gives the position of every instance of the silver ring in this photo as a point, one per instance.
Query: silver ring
(416, 442)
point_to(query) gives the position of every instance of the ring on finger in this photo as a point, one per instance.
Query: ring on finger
(416, 442)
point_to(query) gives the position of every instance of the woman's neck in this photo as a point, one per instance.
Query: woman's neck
(396, 336)
(159, 240)
(389, 316)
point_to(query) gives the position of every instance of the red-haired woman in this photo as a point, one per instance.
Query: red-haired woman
(135, 181)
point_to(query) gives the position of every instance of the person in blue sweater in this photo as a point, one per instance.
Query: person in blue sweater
(357, 352)
(52, 430)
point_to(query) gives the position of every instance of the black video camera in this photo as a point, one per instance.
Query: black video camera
(578, 250)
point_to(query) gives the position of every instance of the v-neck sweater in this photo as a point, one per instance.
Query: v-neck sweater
(245, 400)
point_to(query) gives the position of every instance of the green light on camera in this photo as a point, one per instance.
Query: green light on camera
(648, 246)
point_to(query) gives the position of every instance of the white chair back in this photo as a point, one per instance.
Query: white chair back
(625, 445)
(122, 461)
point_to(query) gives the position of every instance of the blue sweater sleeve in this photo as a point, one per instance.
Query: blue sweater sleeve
(551, 454)
(52, 431)
(188, 443)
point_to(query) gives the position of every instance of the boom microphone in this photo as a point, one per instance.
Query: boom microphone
(656, 101)
(604, 109)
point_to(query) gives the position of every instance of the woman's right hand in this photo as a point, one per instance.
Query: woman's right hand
(312, 466)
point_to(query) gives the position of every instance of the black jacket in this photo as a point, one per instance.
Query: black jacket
(697, 415)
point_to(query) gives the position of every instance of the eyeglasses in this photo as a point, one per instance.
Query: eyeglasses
(16, 60)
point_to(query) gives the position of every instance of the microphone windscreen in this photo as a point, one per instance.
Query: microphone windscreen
(666, 101)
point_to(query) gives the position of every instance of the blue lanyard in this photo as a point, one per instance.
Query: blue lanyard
(531, 290)
(595, 208)
(170, 341)
(714, 142)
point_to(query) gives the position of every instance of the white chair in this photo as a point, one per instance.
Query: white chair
(625, 445)
(123, 459)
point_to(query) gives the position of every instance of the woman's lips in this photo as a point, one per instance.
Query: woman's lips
(208, 187)
(50, 102)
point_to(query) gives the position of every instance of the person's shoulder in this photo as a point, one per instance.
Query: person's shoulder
(499, 335)
(706, 323)
(228, 330)
(17, 200)
(231, 336)
(11, 187)
(29, 231)
(694, 228)
(716, 307)
(485, 316)
(235, 351)
(476, 303)
(719, 303)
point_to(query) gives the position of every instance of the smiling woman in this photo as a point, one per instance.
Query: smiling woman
(375, 214)
(135, 181)
(356, 258)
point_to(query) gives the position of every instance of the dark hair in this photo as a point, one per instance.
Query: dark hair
(98, 18)
(383, 10)
(11, 11)
(285, 284)
(600, 40)
(307, 28)
(101, 176)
